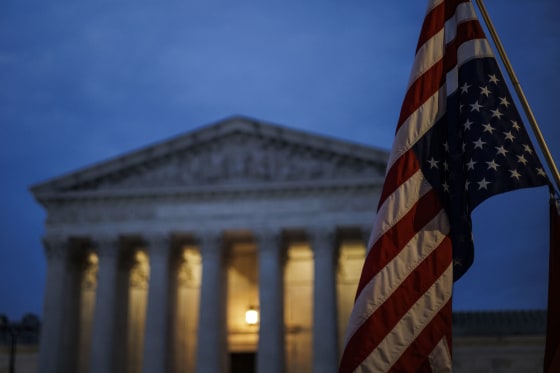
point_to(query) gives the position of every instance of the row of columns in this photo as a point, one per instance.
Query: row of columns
(212, 333)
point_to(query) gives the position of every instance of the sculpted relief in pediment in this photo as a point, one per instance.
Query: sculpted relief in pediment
(239, 158)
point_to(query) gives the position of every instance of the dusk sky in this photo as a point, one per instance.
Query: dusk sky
(81, 82)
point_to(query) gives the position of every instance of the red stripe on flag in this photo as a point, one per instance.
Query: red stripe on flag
(421, 90)
(430, 82)
(402, 312)
(451, 7)
(433, 23)
(466, 31)
(406, 166)
(435, 20)
(385, 318)
(390, 244)
(417, 353)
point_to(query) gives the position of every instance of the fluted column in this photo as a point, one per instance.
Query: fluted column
(325, 323)
(211, 353)
(157, 323)
(104, 319)
(50, 353)
(270, 353)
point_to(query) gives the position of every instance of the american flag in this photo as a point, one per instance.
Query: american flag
(459, 140)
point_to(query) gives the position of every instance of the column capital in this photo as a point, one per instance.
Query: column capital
(322, 239)
(269, 240)
(56, 247)
(157, 238)
(158, 243)
(211, 243)
(106, 245)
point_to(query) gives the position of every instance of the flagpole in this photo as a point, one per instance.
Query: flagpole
(520, 94)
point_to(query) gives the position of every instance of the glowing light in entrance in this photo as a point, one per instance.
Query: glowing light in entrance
(252, 316)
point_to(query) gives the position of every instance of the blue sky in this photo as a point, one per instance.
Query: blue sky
(81, 82)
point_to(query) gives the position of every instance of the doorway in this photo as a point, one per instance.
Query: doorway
(243, 362)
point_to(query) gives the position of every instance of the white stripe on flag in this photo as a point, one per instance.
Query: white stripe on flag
(427, 56)
(398, 203)
(411, 324)
(440, 358)
(380, 288)
(464, 12)
(416, 126)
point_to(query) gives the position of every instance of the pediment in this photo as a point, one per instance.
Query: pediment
(235, 152)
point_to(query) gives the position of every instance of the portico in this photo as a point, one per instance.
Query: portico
(155, 256)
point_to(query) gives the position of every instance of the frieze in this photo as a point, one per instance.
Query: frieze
(144, 208)
(88, 211)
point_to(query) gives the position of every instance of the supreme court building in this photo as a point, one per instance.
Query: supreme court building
(155, 258)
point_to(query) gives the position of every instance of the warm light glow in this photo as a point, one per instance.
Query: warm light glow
(252, 316)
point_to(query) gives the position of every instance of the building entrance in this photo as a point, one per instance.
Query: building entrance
(243, 362)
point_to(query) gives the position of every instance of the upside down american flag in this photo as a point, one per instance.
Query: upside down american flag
(459, 140)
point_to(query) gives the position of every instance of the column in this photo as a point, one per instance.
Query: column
(50, 353)
(157, 323)
(325, 323)
(71, 312)
(212, 343)
(104, 320)
(270, 353)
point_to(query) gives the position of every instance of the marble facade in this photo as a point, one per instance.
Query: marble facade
(153, 257)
